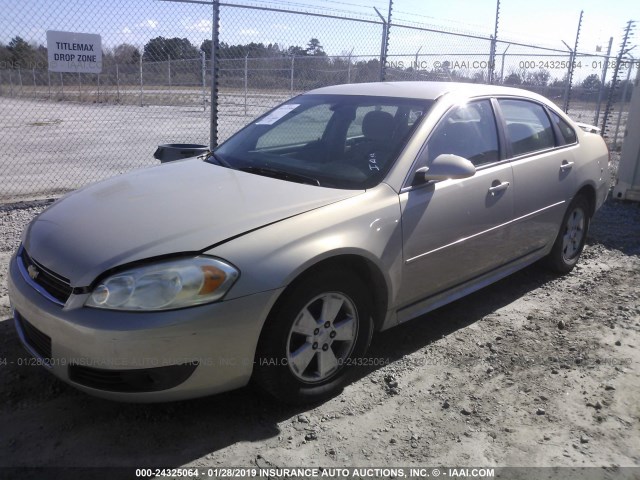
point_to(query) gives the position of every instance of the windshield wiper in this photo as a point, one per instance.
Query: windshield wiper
(217, 159)
(282, 175)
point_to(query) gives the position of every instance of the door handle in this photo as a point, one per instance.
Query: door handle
(566, 166)
(498, 188)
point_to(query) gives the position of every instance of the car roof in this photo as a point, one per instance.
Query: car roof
(425, 90)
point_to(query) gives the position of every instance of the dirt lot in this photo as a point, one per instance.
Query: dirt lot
(49, 148)
(536, 370)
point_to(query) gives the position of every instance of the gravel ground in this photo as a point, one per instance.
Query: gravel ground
(535, 370)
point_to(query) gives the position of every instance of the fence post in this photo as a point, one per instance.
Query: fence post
(415, 65)
(204, 79)
(293, 58)
(492, 59)
(141, 88)
(383, 46)
(20, 79)
(215, 30)
(49, 82)
(492, 48)
(349, 67)
(98, 88)
(608, 110)
(117, 83)
(35, 91)
(79, 88)
(572, 59)
(169, 72)
(246, 81)
(61, 86)
(386, 40)
(602, 80)
(623, 99)
(502, 66)
(10, 84)
(567, 87)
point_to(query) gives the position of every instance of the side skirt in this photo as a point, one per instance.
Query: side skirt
(454, 293)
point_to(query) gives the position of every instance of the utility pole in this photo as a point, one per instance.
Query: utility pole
(572, 59)
(215, 30)
(614, 80)
(602, 80)
(384, 47)
(492, 49)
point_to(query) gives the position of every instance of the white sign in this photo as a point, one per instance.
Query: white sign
(277, 114)
(74, 52)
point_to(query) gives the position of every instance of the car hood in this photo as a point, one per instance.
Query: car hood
(184, 206)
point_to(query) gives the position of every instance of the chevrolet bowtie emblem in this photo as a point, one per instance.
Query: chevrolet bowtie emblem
(33, 272)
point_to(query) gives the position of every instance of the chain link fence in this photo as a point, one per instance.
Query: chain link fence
(62, 130)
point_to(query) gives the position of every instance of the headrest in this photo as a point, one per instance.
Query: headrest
(378, 125)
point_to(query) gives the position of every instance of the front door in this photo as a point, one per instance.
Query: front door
(455, 230)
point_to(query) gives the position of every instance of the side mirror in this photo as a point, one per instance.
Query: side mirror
(447, 166)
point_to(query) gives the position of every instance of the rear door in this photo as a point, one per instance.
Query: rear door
(542, 162)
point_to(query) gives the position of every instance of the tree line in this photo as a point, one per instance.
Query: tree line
(19, 53)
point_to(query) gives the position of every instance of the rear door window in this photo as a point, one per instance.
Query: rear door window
(528, 126)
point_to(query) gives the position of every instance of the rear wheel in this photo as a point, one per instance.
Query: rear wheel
(572, 236)
(313, 336)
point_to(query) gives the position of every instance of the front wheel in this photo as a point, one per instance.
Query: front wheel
(312, 336)
(571, 237)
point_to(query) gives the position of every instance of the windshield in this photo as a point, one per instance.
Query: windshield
(337, 141)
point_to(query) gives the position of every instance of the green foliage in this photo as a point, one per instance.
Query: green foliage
(538, 78)
(21, 54)
(296, 51)
(314, 48)
(592, 82)
(260, 50)
(559, 82)
(5, 56)
(512, 79)
(18, 46)
(125, 54)
(160, 49)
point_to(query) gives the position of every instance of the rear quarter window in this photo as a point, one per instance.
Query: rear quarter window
(568, 133)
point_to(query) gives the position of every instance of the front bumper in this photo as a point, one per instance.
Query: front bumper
(216, 342)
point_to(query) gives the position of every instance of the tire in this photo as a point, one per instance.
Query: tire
(312, 336)
(571, 238)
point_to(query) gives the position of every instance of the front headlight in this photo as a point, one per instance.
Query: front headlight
(165, 285)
